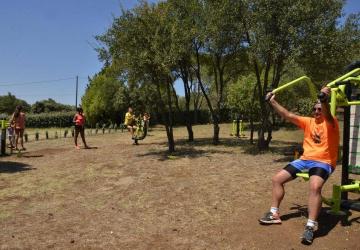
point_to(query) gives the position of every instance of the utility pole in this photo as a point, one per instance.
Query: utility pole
(77, 87)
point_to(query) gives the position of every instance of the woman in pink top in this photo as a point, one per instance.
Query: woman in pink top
(18, 118)
(79, 120)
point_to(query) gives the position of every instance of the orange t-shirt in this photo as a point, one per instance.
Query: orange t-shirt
(321, 141)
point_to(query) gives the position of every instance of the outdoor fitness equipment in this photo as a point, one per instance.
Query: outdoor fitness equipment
(307, 80)
(141, 130)
(4, 124)
(343, 91)
(237, 128)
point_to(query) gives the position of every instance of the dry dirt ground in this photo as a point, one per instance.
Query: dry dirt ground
(120, 196)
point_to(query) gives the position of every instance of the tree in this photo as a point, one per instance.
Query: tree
(140, 43)
(49, 105)
(215, 39)
(105, 100)
(9, 102)
(243, 102)
(325, 57)
(277, 33)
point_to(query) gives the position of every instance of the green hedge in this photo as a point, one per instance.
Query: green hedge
(47, 120)
(64, 119)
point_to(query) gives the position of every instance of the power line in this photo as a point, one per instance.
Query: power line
(45, 95)
(37, 82)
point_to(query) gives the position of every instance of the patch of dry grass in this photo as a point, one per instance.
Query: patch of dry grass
(120, 196)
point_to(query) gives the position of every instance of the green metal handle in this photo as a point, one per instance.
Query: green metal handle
(351, 73)
(306, 79)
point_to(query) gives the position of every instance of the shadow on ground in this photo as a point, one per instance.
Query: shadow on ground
(276, 146)
(182, 152)
(14, 167)
(29, 155)
(326, 221)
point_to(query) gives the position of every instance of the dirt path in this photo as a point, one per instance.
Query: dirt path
(119, 196)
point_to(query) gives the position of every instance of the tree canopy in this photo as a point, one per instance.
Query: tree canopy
(231, 51)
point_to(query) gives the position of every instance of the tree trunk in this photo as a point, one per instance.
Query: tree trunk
(168, 121)
(169, 127)
(252, 128)
(212, 111)
(187, 90)
(170, 137)
(216, 131)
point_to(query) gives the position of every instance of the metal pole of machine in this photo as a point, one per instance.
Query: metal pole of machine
(76, 91)
(346, 146)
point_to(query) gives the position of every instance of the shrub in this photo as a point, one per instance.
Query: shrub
(46, 120)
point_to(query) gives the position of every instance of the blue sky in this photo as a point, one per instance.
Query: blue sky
(53, 40)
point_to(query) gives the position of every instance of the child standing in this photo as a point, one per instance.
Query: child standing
(11, 134)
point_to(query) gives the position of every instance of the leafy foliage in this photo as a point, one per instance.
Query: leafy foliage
(49, 105)
(106, 98)
(232, 50)
(47, 120)
(9, 102)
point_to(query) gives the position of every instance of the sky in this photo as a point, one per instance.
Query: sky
(45, 44)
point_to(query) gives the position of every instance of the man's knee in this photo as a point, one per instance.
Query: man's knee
(281, 178)
(316, 186)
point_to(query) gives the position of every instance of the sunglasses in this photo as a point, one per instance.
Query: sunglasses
(318, 109)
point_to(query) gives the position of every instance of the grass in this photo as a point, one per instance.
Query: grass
(120, 196)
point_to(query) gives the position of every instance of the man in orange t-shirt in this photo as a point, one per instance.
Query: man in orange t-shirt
(321, 141)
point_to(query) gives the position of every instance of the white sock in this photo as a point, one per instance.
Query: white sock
(274, 210)
(311, 223)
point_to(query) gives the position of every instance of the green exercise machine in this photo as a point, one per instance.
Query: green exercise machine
(140, 133)
(4, 125)
(237, 128)
(345, 93)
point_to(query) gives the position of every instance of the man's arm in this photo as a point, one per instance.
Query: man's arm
(325, 107)
(283, 112)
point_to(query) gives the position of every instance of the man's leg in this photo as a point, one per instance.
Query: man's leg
(314, 205)
(131, 130)
(318, 176)
(278, 192)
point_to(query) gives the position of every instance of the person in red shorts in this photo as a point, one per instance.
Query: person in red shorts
(18, 119)
(321, 142)
(79, 120)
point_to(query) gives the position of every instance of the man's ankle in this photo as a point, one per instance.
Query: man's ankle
(274, 210)
(311, 223)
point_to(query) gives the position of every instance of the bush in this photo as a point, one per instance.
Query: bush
(46, 120)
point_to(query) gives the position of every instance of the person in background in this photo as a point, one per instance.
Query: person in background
(18, 119)
(146, 117)
(79, 120)
(130, 121)
(11, 134)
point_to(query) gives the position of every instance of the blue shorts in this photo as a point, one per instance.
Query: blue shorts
(312, 167)
(306, 165)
